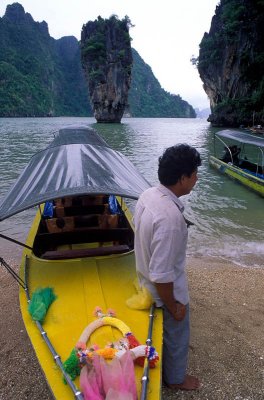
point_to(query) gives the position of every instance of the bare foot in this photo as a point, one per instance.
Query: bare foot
(190, 383)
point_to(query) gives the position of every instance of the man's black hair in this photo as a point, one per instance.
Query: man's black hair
(177, 161)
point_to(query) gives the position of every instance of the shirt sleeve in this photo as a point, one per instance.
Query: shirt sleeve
(166, 248)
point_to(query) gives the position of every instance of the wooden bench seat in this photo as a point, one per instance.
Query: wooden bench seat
(50, 241)
(80, 210)
(79, 253)
(85, 235)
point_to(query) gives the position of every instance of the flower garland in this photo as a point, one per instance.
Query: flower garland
(83, 355)
(128, 342)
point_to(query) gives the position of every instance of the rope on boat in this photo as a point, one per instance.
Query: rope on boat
(145, 377)
(13, 273)
(77, 393)
(15, 241)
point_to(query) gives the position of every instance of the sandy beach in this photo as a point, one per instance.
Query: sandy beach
(227, 338)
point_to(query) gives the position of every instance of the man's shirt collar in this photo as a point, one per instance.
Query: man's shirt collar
(167, 192)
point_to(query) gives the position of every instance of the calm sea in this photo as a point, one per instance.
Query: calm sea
(229, 219)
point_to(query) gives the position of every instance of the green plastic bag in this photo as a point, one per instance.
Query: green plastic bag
(40, 302)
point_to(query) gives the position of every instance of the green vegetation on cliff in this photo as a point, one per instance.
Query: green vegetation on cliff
(148, 99)
(41, 76)
(107, 61)
(231, 63)
(105, 41)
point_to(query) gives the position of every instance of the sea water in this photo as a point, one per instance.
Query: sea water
(228, 218)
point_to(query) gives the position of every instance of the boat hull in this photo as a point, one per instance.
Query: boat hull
(250, 181)
(81, 285)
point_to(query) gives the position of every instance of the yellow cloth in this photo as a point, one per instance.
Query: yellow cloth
(142, 300)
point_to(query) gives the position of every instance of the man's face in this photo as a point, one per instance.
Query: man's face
(188, 182)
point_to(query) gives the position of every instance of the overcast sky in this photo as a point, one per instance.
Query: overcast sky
(166, 33)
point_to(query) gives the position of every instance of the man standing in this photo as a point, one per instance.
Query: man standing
(160, 249)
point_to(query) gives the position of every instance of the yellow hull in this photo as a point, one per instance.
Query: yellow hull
(80, 285)
(246, 179)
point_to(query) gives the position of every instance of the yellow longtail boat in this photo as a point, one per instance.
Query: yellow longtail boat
(243, 158)
(80, 250)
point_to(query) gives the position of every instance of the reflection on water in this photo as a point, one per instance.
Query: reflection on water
(228, 217)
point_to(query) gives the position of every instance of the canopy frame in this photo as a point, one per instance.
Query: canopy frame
(242, 138)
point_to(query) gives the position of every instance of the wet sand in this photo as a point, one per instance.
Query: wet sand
(227, 337)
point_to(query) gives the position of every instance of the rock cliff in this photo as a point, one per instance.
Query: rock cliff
(41, 76)
(107, 62)
(231, 63)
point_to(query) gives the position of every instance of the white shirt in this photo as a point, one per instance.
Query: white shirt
(160, 242)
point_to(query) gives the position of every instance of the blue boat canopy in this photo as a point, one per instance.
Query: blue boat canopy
(241, 137)
(77, 162)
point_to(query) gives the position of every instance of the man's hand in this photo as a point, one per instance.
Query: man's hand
(165, 291)
(179, 312)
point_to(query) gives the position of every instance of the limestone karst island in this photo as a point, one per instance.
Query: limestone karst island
(41, 76)
(105, 77)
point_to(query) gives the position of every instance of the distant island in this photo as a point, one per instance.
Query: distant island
(41, 76)
(204, 113)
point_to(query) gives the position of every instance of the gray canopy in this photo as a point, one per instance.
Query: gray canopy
(77, 162)
(241, 137)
